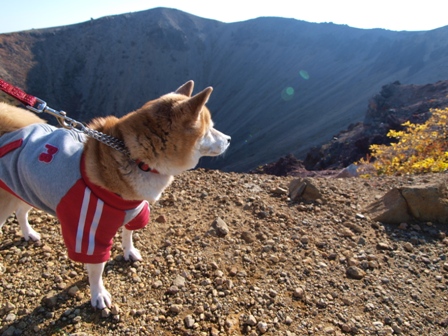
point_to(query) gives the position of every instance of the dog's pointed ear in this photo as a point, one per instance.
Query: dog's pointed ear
(197, 102)
(186, 89)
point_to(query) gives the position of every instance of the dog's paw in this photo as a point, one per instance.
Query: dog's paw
(100, 298)
(132, 254)
(31, 234)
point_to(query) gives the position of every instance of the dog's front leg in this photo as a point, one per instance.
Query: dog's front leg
(99, 296)
(130, 252)
(22, 217)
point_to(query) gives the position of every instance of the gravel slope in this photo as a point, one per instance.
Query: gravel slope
(229, 254)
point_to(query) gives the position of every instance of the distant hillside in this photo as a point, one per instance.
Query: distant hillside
(281, 85)
(389, 109)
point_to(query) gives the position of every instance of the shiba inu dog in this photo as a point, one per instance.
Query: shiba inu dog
(93, 188)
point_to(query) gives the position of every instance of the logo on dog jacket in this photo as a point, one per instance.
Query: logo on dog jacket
(44, 166)
(48, 155)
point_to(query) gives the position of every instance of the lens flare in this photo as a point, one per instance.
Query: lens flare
(247, 140)
(304, 74)
(288, 93)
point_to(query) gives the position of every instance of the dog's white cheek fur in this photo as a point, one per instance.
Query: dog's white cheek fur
(214, 143)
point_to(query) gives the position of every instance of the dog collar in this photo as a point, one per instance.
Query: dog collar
(144, 167)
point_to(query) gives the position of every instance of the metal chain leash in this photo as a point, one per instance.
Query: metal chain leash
(107, 140)
(72, 124)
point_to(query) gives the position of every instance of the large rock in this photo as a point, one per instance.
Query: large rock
(221, 227)
(304, 190)
(426, 202)
(391, 208)
(349, 171)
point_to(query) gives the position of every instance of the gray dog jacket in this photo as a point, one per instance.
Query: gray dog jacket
(44, 166)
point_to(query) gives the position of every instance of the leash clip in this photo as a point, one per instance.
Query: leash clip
(41, 106)
(61, 116)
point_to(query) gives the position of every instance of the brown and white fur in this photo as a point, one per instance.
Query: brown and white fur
(170, 134)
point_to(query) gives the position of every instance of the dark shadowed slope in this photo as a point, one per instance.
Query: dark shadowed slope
(281, 85)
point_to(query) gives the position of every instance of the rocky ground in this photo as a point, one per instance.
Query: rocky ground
(230, 254)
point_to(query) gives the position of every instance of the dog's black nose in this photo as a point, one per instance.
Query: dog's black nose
(228, 139)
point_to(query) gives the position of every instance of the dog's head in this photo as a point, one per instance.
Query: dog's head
(173, 132)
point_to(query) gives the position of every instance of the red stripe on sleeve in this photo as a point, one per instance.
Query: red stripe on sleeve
(68, 212)
(5, 149)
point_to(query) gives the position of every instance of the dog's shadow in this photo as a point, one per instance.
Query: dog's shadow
(50, 318)
(44, 319)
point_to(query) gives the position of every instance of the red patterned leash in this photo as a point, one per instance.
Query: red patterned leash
(20, 95)
(38, 105)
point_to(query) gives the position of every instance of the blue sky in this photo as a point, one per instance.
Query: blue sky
(388, 14)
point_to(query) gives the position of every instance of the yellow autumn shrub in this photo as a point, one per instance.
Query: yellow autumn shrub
(421, 148)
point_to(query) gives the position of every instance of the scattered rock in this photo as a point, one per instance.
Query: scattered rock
(115, 309)
(50, 299)
(176, 309)
(73, 291)
(383, 246)
(105, 312)
(304, 190)
(349, 171)
(354, 227)
(173, 290)
(444, 322)
(179, 281)
(248, 237)
(161, 219)
(262, 327)
(298, 293)
(346, 232)
(157, 284)
(10, 317)
(214, 331)
(221, 227)
(250, 320)
(8, 307)
(408, 247)
(189, 321)
(354, 272)
(280, 191)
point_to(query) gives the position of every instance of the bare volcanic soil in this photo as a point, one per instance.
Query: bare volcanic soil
(230, 254)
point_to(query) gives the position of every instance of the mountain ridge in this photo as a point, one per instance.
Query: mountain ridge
(281, 85)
